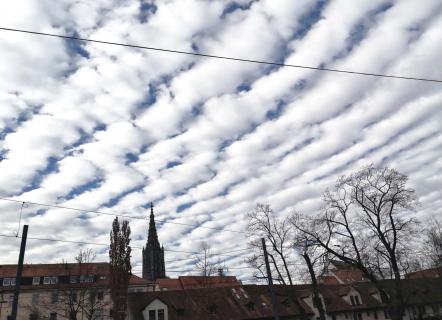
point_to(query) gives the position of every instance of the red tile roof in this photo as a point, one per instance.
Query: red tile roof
(57, 269)
(253, 301)
(98, 269)
(427, 273)
(195, 282)
(240, 302)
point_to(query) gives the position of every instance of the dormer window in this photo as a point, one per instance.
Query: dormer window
(156, 314)
(355, 300)
(156, 310)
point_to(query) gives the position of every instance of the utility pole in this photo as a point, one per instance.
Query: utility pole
(269, 277)
(19, 272)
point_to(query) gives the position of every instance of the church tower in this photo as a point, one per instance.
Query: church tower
(153, 254)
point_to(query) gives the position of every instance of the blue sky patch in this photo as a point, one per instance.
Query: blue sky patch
(96, 183)
(184, 206)
(147, 9)
(51, 167)
(75, 47)
(307, 21)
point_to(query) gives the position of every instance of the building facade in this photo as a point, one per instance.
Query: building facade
(62, 291)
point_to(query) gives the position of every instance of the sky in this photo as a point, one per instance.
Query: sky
(112, 129)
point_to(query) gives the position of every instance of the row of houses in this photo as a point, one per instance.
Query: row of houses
(81, 291)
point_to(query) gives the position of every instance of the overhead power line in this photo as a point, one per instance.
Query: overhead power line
(103, 244)
(206, 55)
(122, 215)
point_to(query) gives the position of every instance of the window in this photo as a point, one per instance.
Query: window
(152, 315)
(35, 298)
(352, 299)
(87, 278)
(357, 300)
(53, 316)
(161, 314)
(8, 282)
(359, 316)
(333, 317)
(100, 295)
(375, 314)
(54, 297)
(387, 314)
(72, 315)
(50, 280)
(35, 281)
(74, 296)
(73, 279)
(33, 316)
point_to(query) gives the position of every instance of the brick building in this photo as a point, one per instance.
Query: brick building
(55, 291)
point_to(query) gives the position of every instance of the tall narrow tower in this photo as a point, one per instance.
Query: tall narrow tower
(153, 253)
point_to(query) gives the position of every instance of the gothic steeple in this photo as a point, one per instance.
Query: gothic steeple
(153, 253)
(152, 236)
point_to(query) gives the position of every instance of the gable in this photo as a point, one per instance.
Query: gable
(156, 304)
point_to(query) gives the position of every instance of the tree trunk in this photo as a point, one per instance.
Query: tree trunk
(398, 298)
(317, 302)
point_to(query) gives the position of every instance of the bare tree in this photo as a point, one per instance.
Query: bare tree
(79, 296)
(263, 223)
(363, 224)
(434, 243)
(206, 265)
(120, 267)
(315, 259)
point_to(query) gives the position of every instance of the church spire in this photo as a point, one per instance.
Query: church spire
(153, 253)
(152, 237)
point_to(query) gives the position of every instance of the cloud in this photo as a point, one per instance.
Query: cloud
(108, 128)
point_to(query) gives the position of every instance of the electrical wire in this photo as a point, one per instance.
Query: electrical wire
(19, 219)
(102, 244)
(206, 55)
(122, 215)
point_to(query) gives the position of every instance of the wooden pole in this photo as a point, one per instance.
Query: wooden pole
(19, 272)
